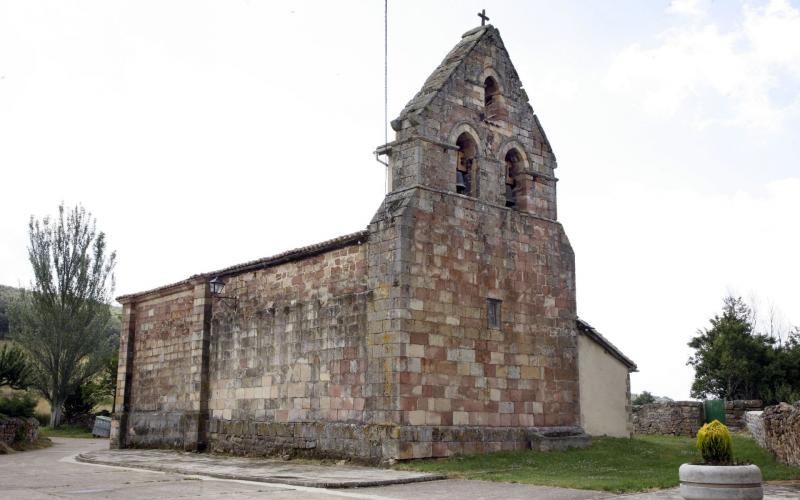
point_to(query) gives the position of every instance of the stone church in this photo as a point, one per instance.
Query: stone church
(447, 326)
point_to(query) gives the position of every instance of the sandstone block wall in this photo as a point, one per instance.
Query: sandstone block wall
(679, 418)
(163, 406)
(782, 432)
(293, 348)
(456, 370)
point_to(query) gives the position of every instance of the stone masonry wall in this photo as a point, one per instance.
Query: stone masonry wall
(290, 352)
(782, 432)
(424, 151)
(755, 426)
(679, 418)
(735, 412)
(162, 378)
(521, 374)
(16, 429)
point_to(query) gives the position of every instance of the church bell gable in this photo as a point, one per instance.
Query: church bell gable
(471, 130)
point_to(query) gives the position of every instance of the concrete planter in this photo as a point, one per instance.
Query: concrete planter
(720, 482)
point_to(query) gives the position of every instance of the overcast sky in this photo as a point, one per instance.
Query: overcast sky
(202, 134)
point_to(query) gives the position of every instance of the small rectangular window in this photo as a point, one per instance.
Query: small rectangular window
(493, 306)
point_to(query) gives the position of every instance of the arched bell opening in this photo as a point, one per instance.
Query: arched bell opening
(513, 167)
(466, 164)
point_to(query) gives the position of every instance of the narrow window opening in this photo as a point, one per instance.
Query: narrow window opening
(490, 90)
(465, 166)
(493, 310)
(492, 99)
(512, 168)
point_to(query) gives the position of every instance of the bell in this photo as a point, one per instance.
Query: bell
(510, 198)
(461, 182)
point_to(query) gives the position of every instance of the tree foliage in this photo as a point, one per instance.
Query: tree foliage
(15, 369)
(644, 398)
(733, 361)
(20, 404)
(63, 321)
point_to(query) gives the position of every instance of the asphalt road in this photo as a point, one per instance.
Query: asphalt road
(53, 473)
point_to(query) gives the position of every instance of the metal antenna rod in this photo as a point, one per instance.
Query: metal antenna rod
(385, 71)
(385, 92)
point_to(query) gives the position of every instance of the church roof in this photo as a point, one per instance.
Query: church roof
(588, 330)
(442, 73)
(274, 260)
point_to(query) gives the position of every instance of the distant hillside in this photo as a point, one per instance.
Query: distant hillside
(9, 293)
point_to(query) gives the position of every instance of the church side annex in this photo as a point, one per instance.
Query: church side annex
(447, 326)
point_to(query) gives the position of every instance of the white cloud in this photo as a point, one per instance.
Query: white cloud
(719, 77)
(694, 8)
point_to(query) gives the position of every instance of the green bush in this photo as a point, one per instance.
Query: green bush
(715, 443)
(20, 404)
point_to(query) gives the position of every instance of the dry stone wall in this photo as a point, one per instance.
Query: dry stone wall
(735, 412)
(679, 418)
(18, 429)
(755, 426)
(782, 432)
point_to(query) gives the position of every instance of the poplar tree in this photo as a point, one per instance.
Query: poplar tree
(62, 321)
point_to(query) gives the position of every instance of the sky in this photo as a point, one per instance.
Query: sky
(202, 134)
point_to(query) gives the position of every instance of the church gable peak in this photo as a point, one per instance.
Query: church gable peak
(459, 56)
(470, 130)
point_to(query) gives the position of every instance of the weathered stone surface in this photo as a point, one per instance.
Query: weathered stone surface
(782, 431)
(679, 418)
(18, 429)
(755, 426)
(378, 345)
(735, 411)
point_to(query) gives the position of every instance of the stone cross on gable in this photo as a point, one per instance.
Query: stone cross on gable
(483, 16)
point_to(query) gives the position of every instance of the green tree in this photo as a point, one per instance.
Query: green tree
(63, 320)
(731, 361)
(644, 398)
(15, 369)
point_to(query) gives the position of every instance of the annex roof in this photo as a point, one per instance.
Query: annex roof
(589, 331)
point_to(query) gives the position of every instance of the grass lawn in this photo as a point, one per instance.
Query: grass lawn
(65, 431)
(610, 464)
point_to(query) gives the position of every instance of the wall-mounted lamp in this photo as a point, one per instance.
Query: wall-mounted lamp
(217, 285)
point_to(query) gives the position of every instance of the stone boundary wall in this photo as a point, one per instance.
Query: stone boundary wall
(678, 418)
(684, 418)
(11, 427)
(782, 432)
(755, 426)
(735, 412)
